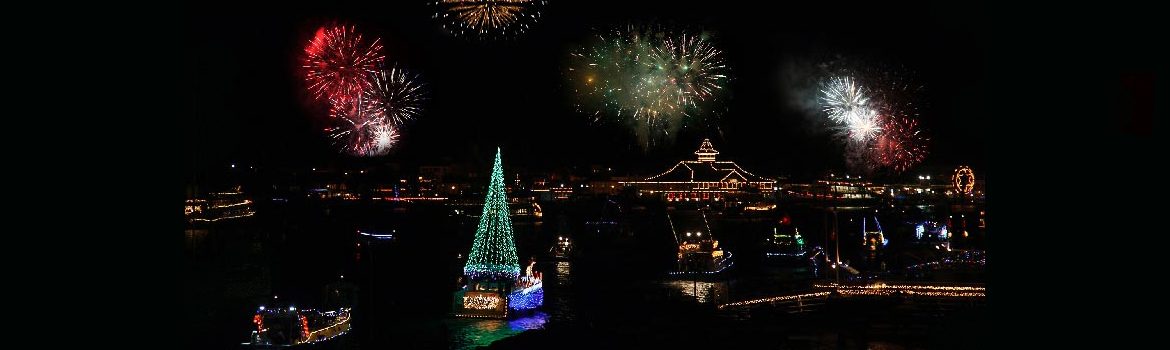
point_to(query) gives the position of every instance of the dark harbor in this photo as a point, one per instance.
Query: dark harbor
(740, 266)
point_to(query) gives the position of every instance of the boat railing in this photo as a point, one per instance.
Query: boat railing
(339, 326)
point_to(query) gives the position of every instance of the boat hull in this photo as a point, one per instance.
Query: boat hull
(491, 300)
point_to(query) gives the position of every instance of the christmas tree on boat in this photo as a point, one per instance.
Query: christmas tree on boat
(495, 286)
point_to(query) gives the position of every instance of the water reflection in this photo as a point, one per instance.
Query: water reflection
(563, 270)
(193, 238)
(703, 292)
(559, 293)
(472, 333)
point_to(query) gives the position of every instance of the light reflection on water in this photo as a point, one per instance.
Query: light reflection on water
(703, 292)
(472, 333)
(559, 293)
(563, 270)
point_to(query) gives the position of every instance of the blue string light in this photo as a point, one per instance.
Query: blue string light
(527, 298)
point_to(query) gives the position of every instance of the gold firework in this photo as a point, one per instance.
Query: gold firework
(489, 17)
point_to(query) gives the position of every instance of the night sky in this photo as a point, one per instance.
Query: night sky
(250, 105)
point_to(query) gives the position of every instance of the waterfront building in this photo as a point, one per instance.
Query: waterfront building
(704, 179)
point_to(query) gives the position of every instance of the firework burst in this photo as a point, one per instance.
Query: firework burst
(358, 133)
(863, 125)
(383, 137)
(395, 96)
(488, 18)
(847, 104)
(844, 100)
(338, 63)
(874, 121)
(655, 78)
(900, 145)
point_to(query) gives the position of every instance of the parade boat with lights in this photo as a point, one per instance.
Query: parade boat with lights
(218, 207)
(698, 251)
(873, 239)
(562, 248)
(494, 286)
(501, 298)
(292, 327)
(931, 233)
(786, 244)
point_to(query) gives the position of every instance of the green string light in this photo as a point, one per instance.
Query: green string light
(493, 253)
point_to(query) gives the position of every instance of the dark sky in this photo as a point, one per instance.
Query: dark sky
(250, 106)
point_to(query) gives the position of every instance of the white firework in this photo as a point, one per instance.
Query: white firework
(382, 138)
(862, 124)
(847, 104)
(396, 96)
(844, 99)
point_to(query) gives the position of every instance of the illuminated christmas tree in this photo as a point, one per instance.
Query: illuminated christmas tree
(493, 254)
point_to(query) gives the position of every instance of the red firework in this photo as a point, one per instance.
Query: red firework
(901, 144)
(338, 63)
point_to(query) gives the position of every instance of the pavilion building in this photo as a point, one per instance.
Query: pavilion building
(704, 180)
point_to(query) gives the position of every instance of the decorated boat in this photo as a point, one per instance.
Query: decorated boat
(215, 207)
(292, 327)
(873, 239)
(563, 248)
(494, 286)
(698, 250)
